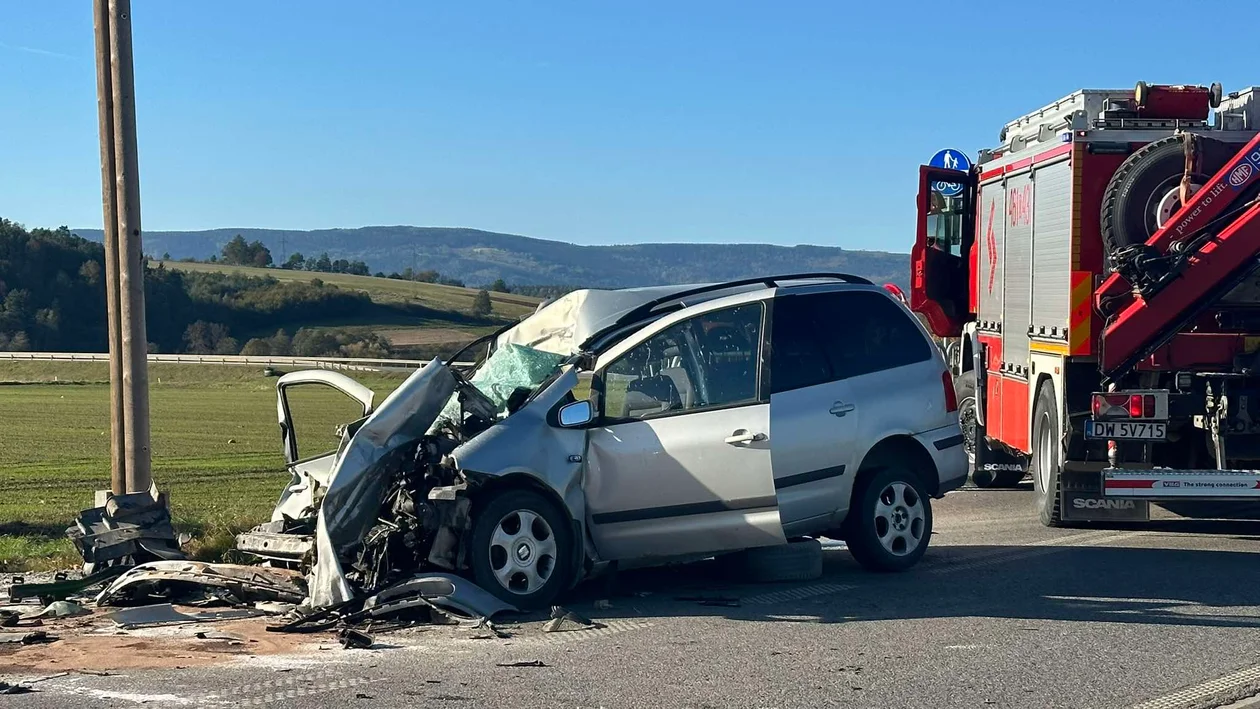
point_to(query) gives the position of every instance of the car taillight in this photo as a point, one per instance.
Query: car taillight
(951, 396)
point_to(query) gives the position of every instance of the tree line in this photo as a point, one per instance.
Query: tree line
(52, 298)
(238, 252)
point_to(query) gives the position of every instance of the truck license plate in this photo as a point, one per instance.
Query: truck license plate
(1126, 430)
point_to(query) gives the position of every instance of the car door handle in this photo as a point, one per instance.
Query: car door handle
(840, 408)
(742, 436)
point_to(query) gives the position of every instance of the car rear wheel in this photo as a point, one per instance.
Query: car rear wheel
(890, 519)
(522, 547)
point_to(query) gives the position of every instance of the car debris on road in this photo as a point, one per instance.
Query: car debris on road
(165, 614)
(563, 620)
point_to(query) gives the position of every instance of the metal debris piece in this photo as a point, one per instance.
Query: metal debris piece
(127, 530)
(6, 688)
(165, 614)
(32, 638)
(275, 607)
(8, 619)
(446, 591)
(231, 582)
(283, 540)
(523, 663)
(564, 620)
(491, 631)
(219, 635)
(60, 589)
(60, 609)
(352, 639)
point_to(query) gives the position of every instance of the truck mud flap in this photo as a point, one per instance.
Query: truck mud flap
(1093, 507)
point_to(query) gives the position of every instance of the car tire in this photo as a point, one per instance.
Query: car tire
(1046, 461)
(798, 560)
(522, 548)
(883, 531)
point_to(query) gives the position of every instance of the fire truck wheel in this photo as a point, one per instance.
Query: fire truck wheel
(1046, 459)
(1143, 193)
(965, 391)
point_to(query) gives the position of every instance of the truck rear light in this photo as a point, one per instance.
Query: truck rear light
(951, 396)
(1141, 405)
(1114, 406)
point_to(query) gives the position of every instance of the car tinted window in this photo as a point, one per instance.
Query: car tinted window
(711, 360)
(867, 332)
(797, 358)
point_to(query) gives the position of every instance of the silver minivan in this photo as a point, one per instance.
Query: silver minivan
(635, 426)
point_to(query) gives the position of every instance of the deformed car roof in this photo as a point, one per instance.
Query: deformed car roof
(564, 324)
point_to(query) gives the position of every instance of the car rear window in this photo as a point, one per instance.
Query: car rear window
(865, 332)
(822, 337)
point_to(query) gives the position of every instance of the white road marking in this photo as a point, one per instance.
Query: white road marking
(797, 594)
(1201, 693)
(611, 627)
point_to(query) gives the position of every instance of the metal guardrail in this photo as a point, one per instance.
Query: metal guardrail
(342, 363)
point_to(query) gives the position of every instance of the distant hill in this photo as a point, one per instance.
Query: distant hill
(479, 257)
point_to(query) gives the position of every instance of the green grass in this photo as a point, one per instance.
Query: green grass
(382, 290)
(215, 441)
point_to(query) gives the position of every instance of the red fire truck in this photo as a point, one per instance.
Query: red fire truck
(1096, 282)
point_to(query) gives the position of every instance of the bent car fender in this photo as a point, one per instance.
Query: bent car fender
(356, 486)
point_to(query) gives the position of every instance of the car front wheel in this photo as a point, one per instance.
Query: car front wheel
(522, 547)
(890, 520)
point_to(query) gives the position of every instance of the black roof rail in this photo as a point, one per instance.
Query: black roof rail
(644, 311)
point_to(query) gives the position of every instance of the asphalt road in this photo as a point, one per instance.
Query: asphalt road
(1001, 612)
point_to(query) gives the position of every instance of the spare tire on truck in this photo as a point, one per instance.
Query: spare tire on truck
(1145, 191)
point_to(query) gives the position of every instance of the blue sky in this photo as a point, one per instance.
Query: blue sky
(591, 122)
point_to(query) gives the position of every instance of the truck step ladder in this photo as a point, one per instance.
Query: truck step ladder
(1139, 326)
(1169, 483)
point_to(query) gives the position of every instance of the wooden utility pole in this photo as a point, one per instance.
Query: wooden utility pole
(105, 114)
(120, 180)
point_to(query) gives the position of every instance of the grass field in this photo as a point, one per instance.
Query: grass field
(382, 290)
(216, 449)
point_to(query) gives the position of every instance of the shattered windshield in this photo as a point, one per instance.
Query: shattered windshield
(510, 369)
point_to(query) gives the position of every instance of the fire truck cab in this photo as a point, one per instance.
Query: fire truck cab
(1096, 279)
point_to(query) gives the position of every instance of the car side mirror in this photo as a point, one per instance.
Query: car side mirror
(576, 414)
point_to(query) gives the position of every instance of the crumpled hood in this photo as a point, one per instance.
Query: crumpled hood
(356, 487)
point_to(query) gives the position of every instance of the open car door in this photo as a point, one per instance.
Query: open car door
(941, 259)
(339, 401)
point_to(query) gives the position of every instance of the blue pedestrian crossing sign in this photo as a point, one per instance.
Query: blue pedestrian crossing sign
(949, 159)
